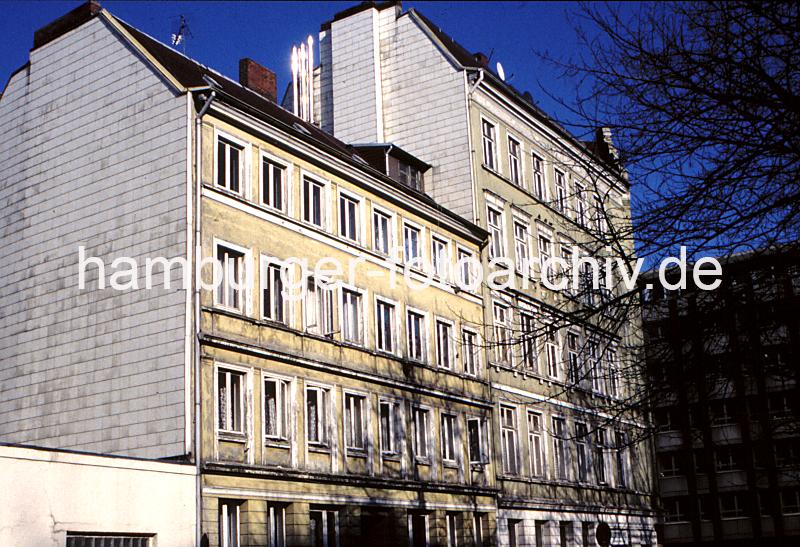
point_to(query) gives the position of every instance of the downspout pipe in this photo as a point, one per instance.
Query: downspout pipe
(198, 187)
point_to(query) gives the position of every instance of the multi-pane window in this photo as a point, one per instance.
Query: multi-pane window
(566, 270)
(502, 333)
(539, 189)
(536, 444)
(274, 301)
(580, 204)
(595, 364)
(354, 422)
(573, 361)
(470, 352)
(599, 216)
(385, 326)
(551, 351)
(319, 307)
(316, 415)
(412, 245)
(465, 259)
(324, 527)
(421, 425)
(600, 456)
(352, 323)
(560, 448)
(515, 161)
(415, 329)
(448, 433)
(444, 345)
(731, 505)
(230, 165)
(231, 287)
(582, 451)
(276, 408)
(621, 442)
(521, 246)
(561, 191)
(273, 184)
(545, 254)
(495, 220)
(313, 202)
(440, 257)
(613, 373)
(477, 437)
(451, 520)
(230, 401)
(489, 141)
(276, 516)
(480, 529)
(528, 328)
(381, 232)
(418, 529)
(349, 217)
(508, 438)
(228, 525)
(387, 420)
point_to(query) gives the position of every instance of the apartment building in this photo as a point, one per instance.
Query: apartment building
(338, 407)
(724, 370)
(569, 473)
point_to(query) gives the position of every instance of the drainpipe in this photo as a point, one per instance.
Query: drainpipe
(198, 186)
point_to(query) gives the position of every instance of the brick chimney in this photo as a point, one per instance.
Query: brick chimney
(258, 78)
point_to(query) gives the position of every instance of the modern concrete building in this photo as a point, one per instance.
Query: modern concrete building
(391, 76)
(725, 376)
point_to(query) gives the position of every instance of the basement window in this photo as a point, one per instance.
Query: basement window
(79, 539)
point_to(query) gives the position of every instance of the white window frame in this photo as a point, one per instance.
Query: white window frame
(489, 145)
(286, 183)
(358, 201)
(560, 449)
(276, 515)
(497, 232)
(323, 411)
(529, 357)
(394, 433)
(362, 324)
(446, 435)
(536, 444)
(509, 432)
(450, 344)
(440, 265)
(561, 190)
(245, 305)
(476, 353)
(515, 163)
(522, 244)
(483, 440)
(583, 452)
(421, 433)
(244, 164)
(466, 273)
(225, 516)
(451, 521)
(244, 401)
(423, 335)
(394, 326)
(268, 265)
(350, 428)
(426, 524)
(325, 212)
(545, 252)
(285, 400)
(539, 176)
(552, 348)
(391, 230)
(324, 296)
(580, 204)
(501, 328)
(419, 260)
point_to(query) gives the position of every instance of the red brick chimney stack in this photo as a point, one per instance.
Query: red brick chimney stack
(258, 78)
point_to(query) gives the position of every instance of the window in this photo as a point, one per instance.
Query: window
(410, 176)
(451, 519)
(600, 456)
(352, 325)
(580, 204)
(508, 437)
(522, 254)
(670, 464)
(385, 326)
(440, 257)
(81, 539)
(515, 533)
(415, 329)
(731, 505)
(674, 509)
(515, 161)
(273, 184)
(230, 165)
(381, 232)
(727, 457)
(790, 501)
(480, 529)
(274, 303)
(528, 327)
(539, 188)
(276, 408)
(354, 423)
(536, 444)
(470, 352)
(230, 401)
(551, 350)
(388, 419)
(477, 436)
(349, 218)
(582, 452)
(230, 290)
(561, 191)
(465, 264)
(573, 362)
(448, 437)
(566, 269)
(417, 529)
(421, 424)
(412, 245)
(228, 524)
(324, 525)
(488, 139)
(276, 513)
(560, 448)
(319, 307)
(502, 333)
(444, 345)
(622, 458)
(599, 216)
(316, 415)
(545, 254)
(597, 373)
(313, 202)
(495, 220)
(613, 373)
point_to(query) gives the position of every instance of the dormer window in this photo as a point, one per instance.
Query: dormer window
(410, 176)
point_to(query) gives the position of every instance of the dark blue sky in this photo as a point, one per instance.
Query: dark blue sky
(223, 32)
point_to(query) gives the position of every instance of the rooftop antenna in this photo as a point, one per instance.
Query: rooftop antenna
(179, 37)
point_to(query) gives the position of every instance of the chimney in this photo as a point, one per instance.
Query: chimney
(257, 78)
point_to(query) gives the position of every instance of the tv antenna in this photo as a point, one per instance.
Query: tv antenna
(180, 36)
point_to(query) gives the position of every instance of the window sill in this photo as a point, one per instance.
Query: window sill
(422, 461)
(359, 453)
(319, 448)
(450, 464)
(231, 436)
(277, 443)
(390, 457)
